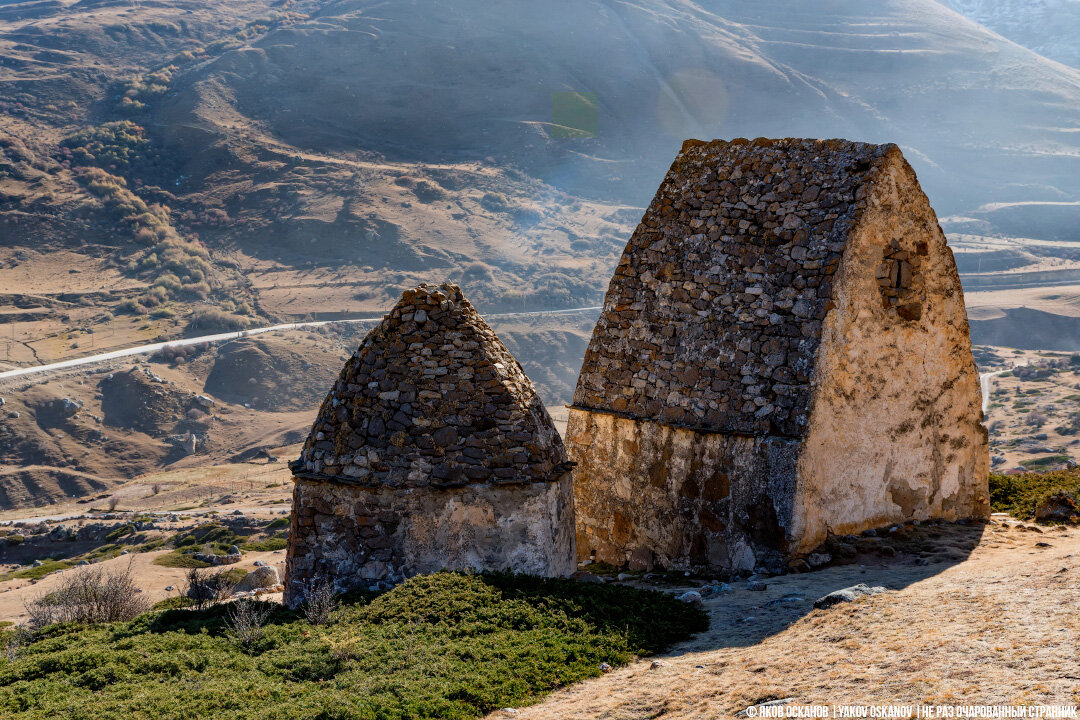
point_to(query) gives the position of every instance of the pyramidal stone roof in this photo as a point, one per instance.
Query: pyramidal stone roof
(713, 317)
(432, 398)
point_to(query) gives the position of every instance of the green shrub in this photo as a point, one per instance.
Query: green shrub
(35, 573)
(273, 543)
(277, 524)
(442, 646)
(174, 603)
(211, 320)
(114, 145)
(1021, 495)
(120, 532)
(103, 552)
(1046, 462)
(179, 559)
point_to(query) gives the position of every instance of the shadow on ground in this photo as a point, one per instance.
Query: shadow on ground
(893, 560)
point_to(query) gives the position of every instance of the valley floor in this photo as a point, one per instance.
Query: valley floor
(990, 619)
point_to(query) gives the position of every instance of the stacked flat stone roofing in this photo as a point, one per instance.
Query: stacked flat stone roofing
(713, 318)
(432, 398)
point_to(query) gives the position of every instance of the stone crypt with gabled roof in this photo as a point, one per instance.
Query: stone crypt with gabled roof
(783, 354)
(432, 451)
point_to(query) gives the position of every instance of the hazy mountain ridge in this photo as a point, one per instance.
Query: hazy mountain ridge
(1049, 27)
(312, 158)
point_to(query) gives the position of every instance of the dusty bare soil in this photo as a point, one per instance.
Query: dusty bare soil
(151, 579)
(989, 620)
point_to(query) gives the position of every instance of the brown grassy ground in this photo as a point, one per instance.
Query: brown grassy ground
(1031, 419)
(992, 619)
(150, 578)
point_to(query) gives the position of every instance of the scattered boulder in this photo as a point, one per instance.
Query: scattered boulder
(691, 597)
(260, 578)
(57, 411)
(214, 559)
(798, 565)
(714, 589)
(587, 577)
(1059, 508)
(755, 586)
(188, 443)
(848, 594)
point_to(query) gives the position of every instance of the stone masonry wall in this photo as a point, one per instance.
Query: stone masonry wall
(713, 318)
(648, 494)
(358, 536)
(432, 451)
(783, 354)
(432, 398)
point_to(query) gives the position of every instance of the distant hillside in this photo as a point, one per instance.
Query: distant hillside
(981, 119)
(212, 165)
(1049, 27)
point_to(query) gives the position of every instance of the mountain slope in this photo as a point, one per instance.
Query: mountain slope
(982, 119)
(1049, 27)
(224, 163)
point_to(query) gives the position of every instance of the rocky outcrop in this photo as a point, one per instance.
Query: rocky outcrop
(137, 399)
(848, 594)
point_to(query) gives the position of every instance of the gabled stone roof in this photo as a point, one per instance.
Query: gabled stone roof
(713, 317)
(432, 397)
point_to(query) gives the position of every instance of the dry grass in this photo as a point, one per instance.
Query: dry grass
(999, 627)
(90, 595)
(1034, 418)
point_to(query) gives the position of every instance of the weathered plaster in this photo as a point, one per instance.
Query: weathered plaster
(649, 494)
(895, 431)
(356, 536)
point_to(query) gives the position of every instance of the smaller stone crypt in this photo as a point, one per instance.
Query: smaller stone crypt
(432, 451)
